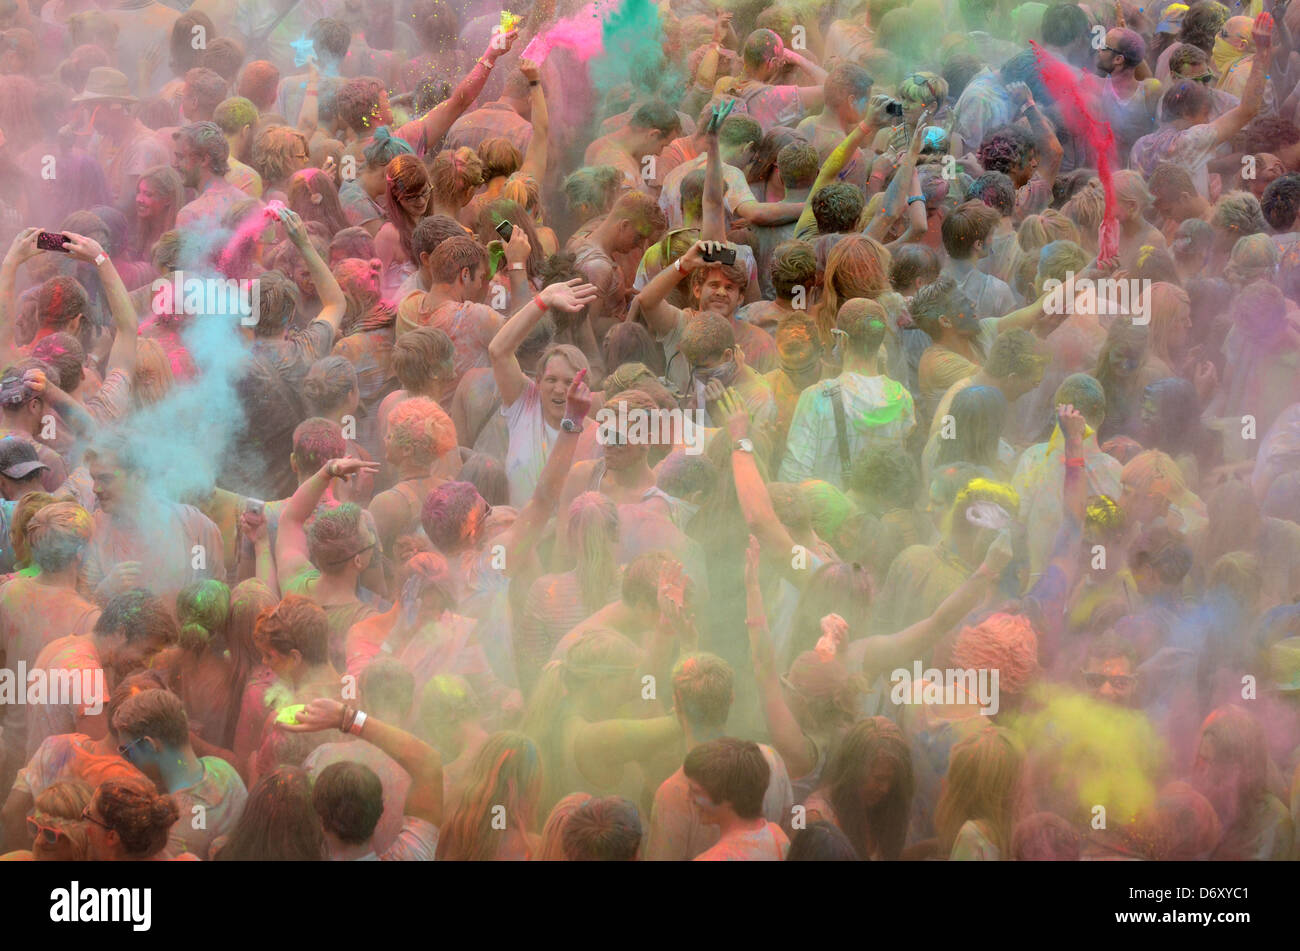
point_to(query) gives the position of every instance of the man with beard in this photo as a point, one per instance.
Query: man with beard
(202, 156)
(700, 350)
(123, 145)
(1130, 104)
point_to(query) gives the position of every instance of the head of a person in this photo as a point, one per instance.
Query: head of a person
(56, 826)
(315, 442)
(921, 91)
(1173, 193)
(460, 264)
(421, 356)
(1009, 150)
(1202, 23)
(738, 140)
(454, 517)
(361, 105)
(1045, 836)
(870, 784)
(340, 541)
(837, 208)
(763, 54)
(1123, 52)
(1085, 394)
(132, 630)
(556, 368)
(941, 307)
(454, 176)
(278, 152)
(912, 267)
(996, 190)
(1160, 557)
(728, 779)
(21, 469)
(637, 221)
(552, 847)
(200, 150)
(1258, 310)
(603, 830)
(506, 774)
(279, 823)
(653, 126)
(709, 346)
(1065, 27)
(419, 433)
(152, 727)
(703, 689)
(349, 799)
(57, 535)
(1231, 765)
(848, 90)
(292, 637)
(1110, 670)
(1187, 101)
(128, 820)
(982, 784)
(330, 39)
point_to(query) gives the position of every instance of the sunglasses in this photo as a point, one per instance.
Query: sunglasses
(1206, 78)
(361, 551)
(124, 749)
(1096, 681)
(88, 817)
(40, 832)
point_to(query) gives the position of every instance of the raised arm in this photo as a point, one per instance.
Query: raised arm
(660, 316)
(900, 185)
(867, 129)
(570, 296)
(714, 224)
(122, 356)
(441, 117)
(755, 501)
(420, 760)
(333, 303)
(812, 98)
(291, 556)
(21, 250)
(1252, 98)
(886, 651)
(535, 157)
(1045, 140)
(786, 734)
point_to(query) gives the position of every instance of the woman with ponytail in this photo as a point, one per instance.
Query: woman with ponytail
(203, 668)
(504, 786)
(558, 602)
(456, 175)
(366, 336)
(573, 716)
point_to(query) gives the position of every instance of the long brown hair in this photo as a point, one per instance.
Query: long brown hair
(879, 828)
(405, 177)
(506, 777)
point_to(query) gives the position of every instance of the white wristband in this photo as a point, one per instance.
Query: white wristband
(357, 724)
(100, 258)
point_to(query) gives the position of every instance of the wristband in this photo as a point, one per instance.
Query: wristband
(912, 198)
(484, 63)
(358, 722)
(1076, 463)
(541, 304)
(100, 258)
(678, 264)
(517, 266)
(534, 82)
(346, 716)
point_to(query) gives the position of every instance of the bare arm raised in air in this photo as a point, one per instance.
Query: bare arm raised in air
(420, 760)
(291, 556)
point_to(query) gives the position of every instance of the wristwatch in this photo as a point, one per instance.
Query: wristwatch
(570, 425)
(743, 445)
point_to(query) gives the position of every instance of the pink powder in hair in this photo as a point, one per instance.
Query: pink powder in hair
(248, 229)
(580, 33)
(1079, 112)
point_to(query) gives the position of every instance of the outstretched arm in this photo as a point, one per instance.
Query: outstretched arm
(291, 556)
(122, 355)
(570, 296)
(535, 157)
(435, 123)
(420, 760)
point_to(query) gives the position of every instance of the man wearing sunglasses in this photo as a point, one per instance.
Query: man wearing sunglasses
(1109, 673)
(1130, 104)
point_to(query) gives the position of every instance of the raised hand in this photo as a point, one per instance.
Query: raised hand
(569, 296)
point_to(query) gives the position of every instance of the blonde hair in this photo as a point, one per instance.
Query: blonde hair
(424, 426)
(982, 785)
(593, 532)
(1170, 306)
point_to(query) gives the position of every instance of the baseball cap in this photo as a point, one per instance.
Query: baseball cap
(18, 458)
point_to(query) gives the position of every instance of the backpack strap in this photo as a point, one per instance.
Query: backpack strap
(833, 393)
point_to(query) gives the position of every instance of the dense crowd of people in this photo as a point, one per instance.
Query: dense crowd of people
(650, 430)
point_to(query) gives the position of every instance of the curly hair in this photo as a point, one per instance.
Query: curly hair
(1006, 149)
(138, 813)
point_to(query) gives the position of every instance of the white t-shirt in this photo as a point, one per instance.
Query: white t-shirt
(531, 440)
